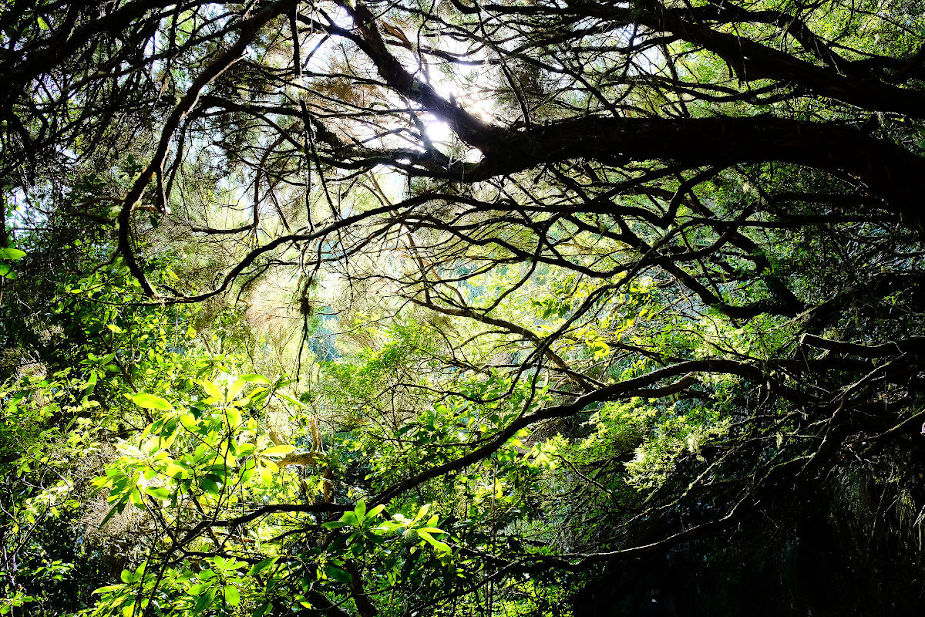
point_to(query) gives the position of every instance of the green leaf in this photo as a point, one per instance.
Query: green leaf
(431, 530)
(254, 378)
(212, 389)
(150, 401)
(235, 389)
(208, 574)
(387, 527)
(350, 518)
(439, 546)
(107, 589)
(278, 450)
(341, 576)
(173, 470)
(234, 417)
(203, 602)
(209, 485)
(232, 596)
(11, 253)
(91, 382)
(263, 565)
(158, 492)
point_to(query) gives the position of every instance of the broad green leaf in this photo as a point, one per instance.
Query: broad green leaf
(150, 401)
(341, 576)
(278, 450)
(232, 596)
(212, 389)
(91, 382)
(388, 527)
(437, 544)
(208, 574)
(254, 378)
(11, 253)
(234, 417)
(267, 470)
(235, 389)
(431, 530)
(158, 491)
(263, 565)
(173, 470)
(209, 485)
(261, 610)
(203, 602)
(107, 589)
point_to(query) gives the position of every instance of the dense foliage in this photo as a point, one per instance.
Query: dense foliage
(546, 307)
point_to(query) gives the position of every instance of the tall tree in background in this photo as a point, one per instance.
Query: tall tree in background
(618, 290)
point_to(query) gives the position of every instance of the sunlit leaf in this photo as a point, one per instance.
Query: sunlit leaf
(158, 492)
(232, 596)
(213, 390)
(282, 450)
(261, 566)
(150, 401)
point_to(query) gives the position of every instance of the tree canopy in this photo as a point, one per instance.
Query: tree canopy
(447, 307)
